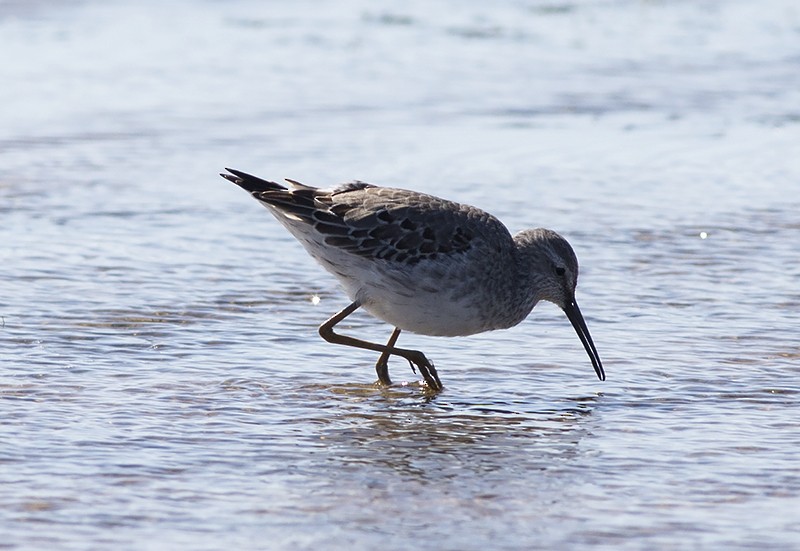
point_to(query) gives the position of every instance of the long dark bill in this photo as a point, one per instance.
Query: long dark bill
(576, 318)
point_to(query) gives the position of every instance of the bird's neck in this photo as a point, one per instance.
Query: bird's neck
(532, 265)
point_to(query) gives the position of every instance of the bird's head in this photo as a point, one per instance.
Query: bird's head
(550, 261)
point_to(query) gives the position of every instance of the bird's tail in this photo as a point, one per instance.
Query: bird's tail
(251, 183)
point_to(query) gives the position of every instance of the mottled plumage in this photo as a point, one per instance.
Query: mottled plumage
(423, 264)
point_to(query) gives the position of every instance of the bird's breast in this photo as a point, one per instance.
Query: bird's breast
(426, 313)
(431, 298)
(456, 294)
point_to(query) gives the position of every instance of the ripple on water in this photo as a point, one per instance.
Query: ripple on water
(160, 370)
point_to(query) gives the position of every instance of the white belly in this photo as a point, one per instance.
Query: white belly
(412, 301)
(426, 300)
(426, 314)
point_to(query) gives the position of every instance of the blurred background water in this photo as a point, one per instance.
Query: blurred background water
(162, 382)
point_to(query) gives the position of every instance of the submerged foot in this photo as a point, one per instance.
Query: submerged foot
(426, 369)
(382, 368)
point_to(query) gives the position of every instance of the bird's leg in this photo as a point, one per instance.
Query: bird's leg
(414, 356)
(382, 367)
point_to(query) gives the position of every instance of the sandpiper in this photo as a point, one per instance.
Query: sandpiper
(423, 264)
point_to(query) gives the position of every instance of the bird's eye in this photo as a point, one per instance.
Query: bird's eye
(560, 270)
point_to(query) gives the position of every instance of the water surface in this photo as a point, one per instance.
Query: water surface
(162, 381)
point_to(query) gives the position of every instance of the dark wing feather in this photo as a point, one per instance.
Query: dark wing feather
(375, 222)
(404, 226)
(310, 204)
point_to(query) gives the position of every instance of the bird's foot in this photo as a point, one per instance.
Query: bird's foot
(426, 369)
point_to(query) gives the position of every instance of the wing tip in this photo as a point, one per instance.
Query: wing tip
(250, 183)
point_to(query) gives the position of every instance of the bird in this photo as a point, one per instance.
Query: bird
(423, 264)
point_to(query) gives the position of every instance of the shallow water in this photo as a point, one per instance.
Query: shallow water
(162, 381)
